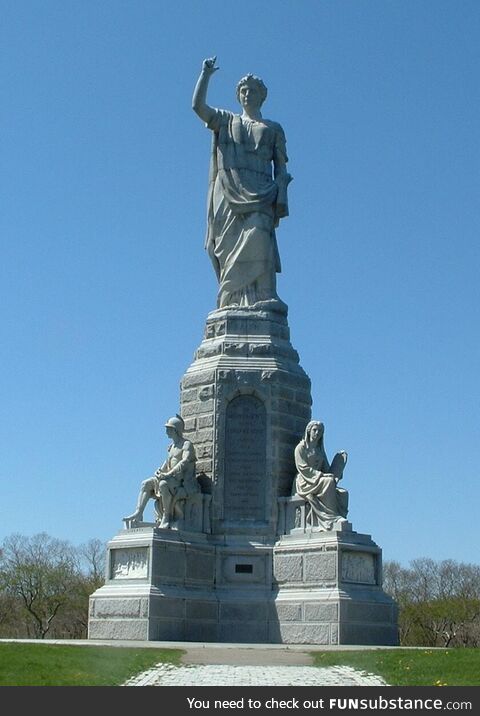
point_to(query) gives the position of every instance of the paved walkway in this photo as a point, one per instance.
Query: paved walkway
(251, 665)
(234, 675)
(214, 664)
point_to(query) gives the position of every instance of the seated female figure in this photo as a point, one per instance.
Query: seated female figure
(317, 480)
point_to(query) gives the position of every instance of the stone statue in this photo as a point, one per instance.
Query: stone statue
(172, 483)
(316, 479)
(245, 202)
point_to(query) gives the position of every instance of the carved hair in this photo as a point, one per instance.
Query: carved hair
(308, 430)
(252, 79)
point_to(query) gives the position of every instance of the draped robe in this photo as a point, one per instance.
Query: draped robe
(245, 204)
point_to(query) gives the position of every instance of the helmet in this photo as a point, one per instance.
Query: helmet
(176, 423)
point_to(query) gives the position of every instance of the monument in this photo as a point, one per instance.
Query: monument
(251, 541)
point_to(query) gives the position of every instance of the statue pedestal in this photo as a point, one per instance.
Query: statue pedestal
(177, 586)
(254, 570)
(317, 588)
(328, 590)
(245, 401)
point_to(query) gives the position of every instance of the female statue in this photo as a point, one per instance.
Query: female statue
(317, 480)
(245, 201)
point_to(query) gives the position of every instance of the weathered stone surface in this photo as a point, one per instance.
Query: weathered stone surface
(361, 612)
(169, 564)
(191, 380)
(299, 609)
(209, 350)
(330, 608)
(200, 566)
(167, 607)
(197, 408)
(206, 392)
(167, 630)
(204, 466)
(189, 395)
(240, 568)
(243, 612)
(359, 567)
(243, 632)
(291, 633)
(245, 459)
(202, 610)
(288, 568)
(117, 608)
(205, 421)
(318, 612)
(201, 630)
(128, 629)
(256, 359)
(286, 612)
(320, 567)
(204, 436)
(129, 563)
(368, 634)
(334, 633)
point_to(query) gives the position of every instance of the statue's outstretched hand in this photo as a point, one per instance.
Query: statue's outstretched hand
(208, 65)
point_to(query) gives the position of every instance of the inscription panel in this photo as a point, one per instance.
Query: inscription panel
(129, 563)
(358, 567)
(245, 459)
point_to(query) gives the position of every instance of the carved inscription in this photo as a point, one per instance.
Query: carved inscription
(129, 563)
(245, 459)
(358, 567)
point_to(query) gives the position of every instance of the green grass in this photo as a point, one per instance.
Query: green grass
(411, 667)
(56, 665)
(52, 665)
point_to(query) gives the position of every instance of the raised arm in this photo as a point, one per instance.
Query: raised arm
(199, 100)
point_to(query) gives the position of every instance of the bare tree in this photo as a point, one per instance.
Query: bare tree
(39, 571)
(439, 602)
(92, 554)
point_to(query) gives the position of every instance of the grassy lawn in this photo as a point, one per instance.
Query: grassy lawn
(52, 665)
(56, 665)
(405, 667)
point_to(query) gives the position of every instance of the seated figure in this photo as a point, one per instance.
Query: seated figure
(172, 483)
(316, 479)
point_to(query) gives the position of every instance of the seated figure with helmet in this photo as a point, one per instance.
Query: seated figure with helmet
(172, 484)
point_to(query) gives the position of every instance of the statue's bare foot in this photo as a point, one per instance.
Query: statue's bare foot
(164, 523)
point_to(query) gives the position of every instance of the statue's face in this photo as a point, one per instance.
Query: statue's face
(249, 96)
(316, 432)
(171, 432)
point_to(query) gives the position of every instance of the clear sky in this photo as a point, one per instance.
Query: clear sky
(105, 285)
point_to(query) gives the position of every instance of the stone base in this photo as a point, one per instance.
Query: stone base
(328, 590)
(246, 401)
(164, 585)
(177, 586)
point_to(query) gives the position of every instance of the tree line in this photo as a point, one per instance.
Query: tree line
(45, 584)
(439, 602)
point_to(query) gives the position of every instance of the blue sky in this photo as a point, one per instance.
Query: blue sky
(105, 286)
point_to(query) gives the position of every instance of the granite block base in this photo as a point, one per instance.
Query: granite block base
(322, 588)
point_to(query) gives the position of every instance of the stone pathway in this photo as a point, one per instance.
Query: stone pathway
(253, 675)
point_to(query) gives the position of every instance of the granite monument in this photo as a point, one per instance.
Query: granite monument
(250, 540)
